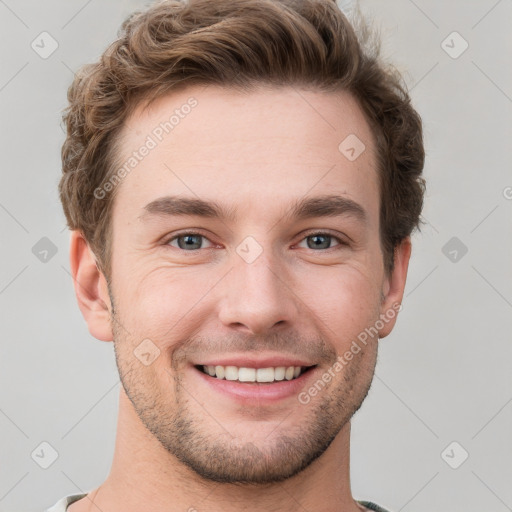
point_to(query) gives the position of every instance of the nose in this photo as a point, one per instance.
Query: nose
(257, 297)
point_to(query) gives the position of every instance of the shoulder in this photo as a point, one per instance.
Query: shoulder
(62, 504)
(371, 506)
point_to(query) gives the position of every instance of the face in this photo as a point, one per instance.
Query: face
(245, 243)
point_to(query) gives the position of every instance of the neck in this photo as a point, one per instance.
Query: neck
(144, 476)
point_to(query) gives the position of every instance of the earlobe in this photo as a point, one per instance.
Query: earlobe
(394, 286)
(90, 288)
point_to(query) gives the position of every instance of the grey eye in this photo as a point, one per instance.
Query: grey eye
(319, 241)
(188, 241)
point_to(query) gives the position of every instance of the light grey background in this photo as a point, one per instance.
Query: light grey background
(442, 376)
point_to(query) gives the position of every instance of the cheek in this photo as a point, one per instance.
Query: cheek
(168, 303)
(161, 305)
(344, 300)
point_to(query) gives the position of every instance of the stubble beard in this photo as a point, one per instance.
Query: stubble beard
(183, 429)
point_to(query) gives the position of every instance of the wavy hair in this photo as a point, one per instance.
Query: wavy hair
(237, 43)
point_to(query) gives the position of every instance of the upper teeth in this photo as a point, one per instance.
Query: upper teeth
(243, 374)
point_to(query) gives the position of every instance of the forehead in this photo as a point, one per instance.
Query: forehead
(245, 149)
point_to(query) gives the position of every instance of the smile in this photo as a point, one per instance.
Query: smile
(260, 375)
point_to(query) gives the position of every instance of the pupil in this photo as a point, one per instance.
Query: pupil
(191, 242)
(320, 241)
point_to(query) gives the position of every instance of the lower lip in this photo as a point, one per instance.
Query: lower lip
(261, 392)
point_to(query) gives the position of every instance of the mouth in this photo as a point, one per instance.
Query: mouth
(249, 375)
(266, 380)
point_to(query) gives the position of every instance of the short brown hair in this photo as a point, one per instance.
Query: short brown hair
(236, 43)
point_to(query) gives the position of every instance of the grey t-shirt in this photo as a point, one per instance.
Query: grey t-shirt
(62, 505)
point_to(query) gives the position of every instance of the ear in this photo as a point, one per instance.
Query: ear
(90, 288)
(393, 287)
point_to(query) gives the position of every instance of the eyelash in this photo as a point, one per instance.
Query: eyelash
(341, 243)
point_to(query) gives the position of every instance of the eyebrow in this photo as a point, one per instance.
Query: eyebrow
(181, 206)
(304, 208)
(327, 206)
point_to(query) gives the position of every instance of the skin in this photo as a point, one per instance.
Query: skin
(181, 445)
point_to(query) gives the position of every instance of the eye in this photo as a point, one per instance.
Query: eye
(322, 241)
(192, 241)
(188, 241)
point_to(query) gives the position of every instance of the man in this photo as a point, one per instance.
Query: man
(241, 181)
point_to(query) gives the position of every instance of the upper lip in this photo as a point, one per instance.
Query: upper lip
(255, 362)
